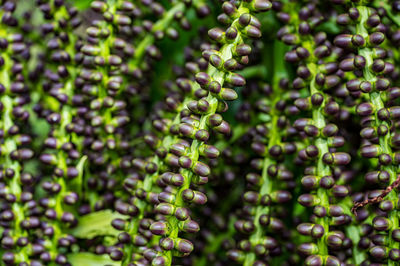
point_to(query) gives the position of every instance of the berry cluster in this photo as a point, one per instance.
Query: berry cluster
(199, 132)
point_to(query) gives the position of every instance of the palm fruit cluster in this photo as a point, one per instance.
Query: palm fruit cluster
(199, 132)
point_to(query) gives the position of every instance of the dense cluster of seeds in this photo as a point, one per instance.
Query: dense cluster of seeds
(199, 132)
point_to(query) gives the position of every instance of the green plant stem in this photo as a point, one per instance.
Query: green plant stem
(148, 182)
(187, 174)
(10, 145)
(274, 139)
(107, 114)
(149, 179)
(322, 168)
(66, 112)
(320, 142)
(219, 76)
(384, 142)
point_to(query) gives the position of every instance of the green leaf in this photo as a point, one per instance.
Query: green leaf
(96, 224)
(81, 4)
(88, 259)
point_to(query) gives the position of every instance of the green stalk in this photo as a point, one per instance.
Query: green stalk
(187, 174)
(384, 142)
(9, 146)
(149, 179)
(219, 76)
(60, 133)
(148, 182)
(322, 168)
(279, 72)
(320, 142)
